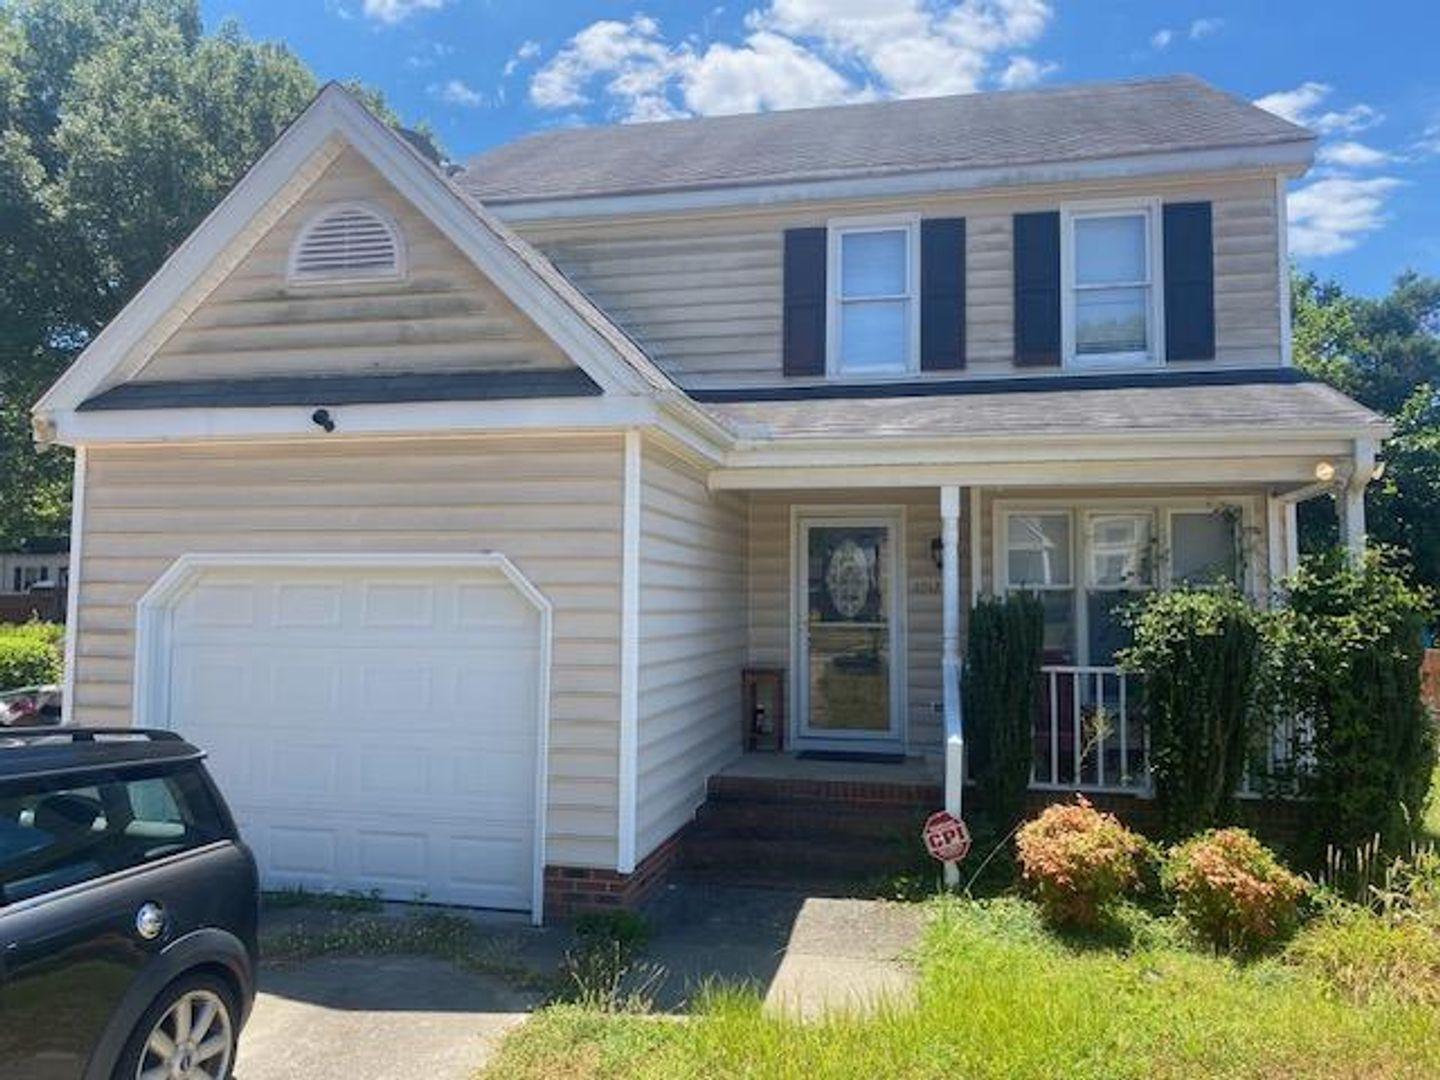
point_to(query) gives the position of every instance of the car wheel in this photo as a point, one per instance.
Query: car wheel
(188, 1033)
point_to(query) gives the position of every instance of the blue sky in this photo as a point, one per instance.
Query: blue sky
(485, 71)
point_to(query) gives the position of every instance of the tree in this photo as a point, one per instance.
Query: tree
(1385, 353)
(121, 125)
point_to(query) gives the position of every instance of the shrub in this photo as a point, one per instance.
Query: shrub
(30, 654)
(1077, 860)
(1349, 650)
(1002, 678)
(1199, 655)
(1232, 891)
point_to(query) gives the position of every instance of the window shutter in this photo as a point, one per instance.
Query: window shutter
(1189, 282)
(804, 325)
(942, 294)
(1037, 288)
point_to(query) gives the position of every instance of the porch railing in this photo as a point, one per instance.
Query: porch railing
(1090, 735)
(1090, 732)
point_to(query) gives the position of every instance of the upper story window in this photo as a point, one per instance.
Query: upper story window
(1111, 303)
(347, 242)
(874, 308)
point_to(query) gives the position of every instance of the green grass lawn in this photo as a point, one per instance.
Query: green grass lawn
(1001, 996)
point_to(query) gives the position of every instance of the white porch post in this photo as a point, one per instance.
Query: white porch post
(1350, 500)
(950, 659)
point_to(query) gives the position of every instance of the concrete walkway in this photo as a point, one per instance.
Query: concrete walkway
(393, 1017)
(806, 955)
(376, 1018)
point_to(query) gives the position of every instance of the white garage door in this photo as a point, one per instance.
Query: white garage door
(372, 729)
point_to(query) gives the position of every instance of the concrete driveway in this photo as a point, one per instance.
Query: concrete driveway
(376, 1018)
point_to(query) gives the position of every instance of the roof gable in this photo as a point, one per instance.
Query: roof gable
(436, 313)
(332, 124)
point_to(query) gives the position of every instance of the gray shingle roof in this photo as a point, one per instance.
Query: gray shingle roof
(1032, 127)
(1269, 407)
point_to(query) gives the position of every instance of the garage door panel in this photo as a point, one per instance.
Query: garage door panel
(372, 730)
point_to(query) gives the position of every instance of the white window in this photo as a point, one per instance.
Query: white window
(1204, 547)
(347, 242)
(874, 313)
(1087, 563)
(1111, 301)
(1038, 559)
(1120, 563)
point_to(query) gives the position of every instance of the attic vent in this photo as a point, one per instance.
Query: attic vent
(351, 242)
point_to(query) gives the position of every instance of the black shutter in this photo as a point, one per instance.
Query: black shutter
(804, 328)
(1037, 288)
(1189, 282)
(942, 294)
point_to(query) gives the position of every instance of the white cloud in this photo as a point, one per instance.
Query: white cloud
(528, 50)
(1302, 106)
(394, 11)
(1428, 144)
(1161, 39)
(1331, 216)
(799, 52)
(1353, 155)
(1023, 71)
(456, 92)
(769, 71)
(1201, 29)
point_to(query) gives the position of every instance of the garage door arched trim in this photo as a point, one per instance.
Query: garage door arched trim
(154, 628)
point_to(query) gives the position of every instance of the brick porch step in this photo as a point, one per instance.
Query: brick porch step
(822, 835)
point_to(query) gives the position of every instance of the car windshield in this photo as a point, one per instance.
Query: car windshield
(55, 833)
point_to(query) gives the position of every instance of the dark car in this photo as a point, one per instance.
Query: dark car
(128, 910)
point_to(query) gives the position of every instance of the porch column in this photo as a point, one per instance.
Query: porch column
(1350, 500)
(950, 658)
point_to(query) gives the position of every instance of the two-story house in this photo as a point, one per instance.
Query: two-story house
(447, 510)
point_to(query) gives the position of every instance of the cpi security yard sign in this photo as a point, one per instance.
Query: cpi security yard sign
(946, 837)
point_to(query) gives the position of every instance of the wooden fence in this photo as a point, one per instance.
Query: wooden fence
(45, 604)
(1430, 680)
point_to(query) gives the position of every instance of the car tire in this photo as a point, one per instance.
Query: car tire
(210, 1000)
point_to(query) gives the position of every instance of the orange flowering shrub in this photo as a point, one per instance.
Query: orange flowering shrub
(1076, 859)
(1232, 890)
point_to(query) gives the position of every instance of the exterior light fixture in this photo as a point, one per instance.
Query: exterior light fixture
(1325, 471)
(323, 419)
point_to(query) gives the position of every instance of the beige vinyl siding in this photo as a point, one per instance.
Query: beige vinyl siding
(692, 641)
(443, 316)
(702, 292)
(771, 545)
(551, 505)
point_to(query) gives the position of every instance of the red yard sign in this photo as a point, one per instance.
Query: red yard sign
(946, 837)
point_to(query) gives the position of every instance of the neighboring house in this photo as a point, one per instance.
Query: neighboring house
(34, 575)
(41, 561)
(446, 512)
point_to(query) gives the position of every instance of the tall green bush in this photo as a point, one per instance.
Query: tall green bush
(1199, 654)
(1002, 679)
(1348, 649)
(30, 654)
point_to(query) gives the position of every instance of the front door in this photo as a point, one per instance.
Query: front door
(847, 640)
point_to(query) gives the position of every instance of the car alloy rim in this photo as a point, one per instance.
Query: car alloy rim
(192, 1041)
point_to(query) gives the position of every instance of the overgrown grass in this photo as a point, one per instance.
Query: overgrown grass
(1002, 996)
(435, 934)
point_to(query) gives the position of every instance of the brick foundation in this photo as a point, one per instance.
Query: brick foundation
(574, 890)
